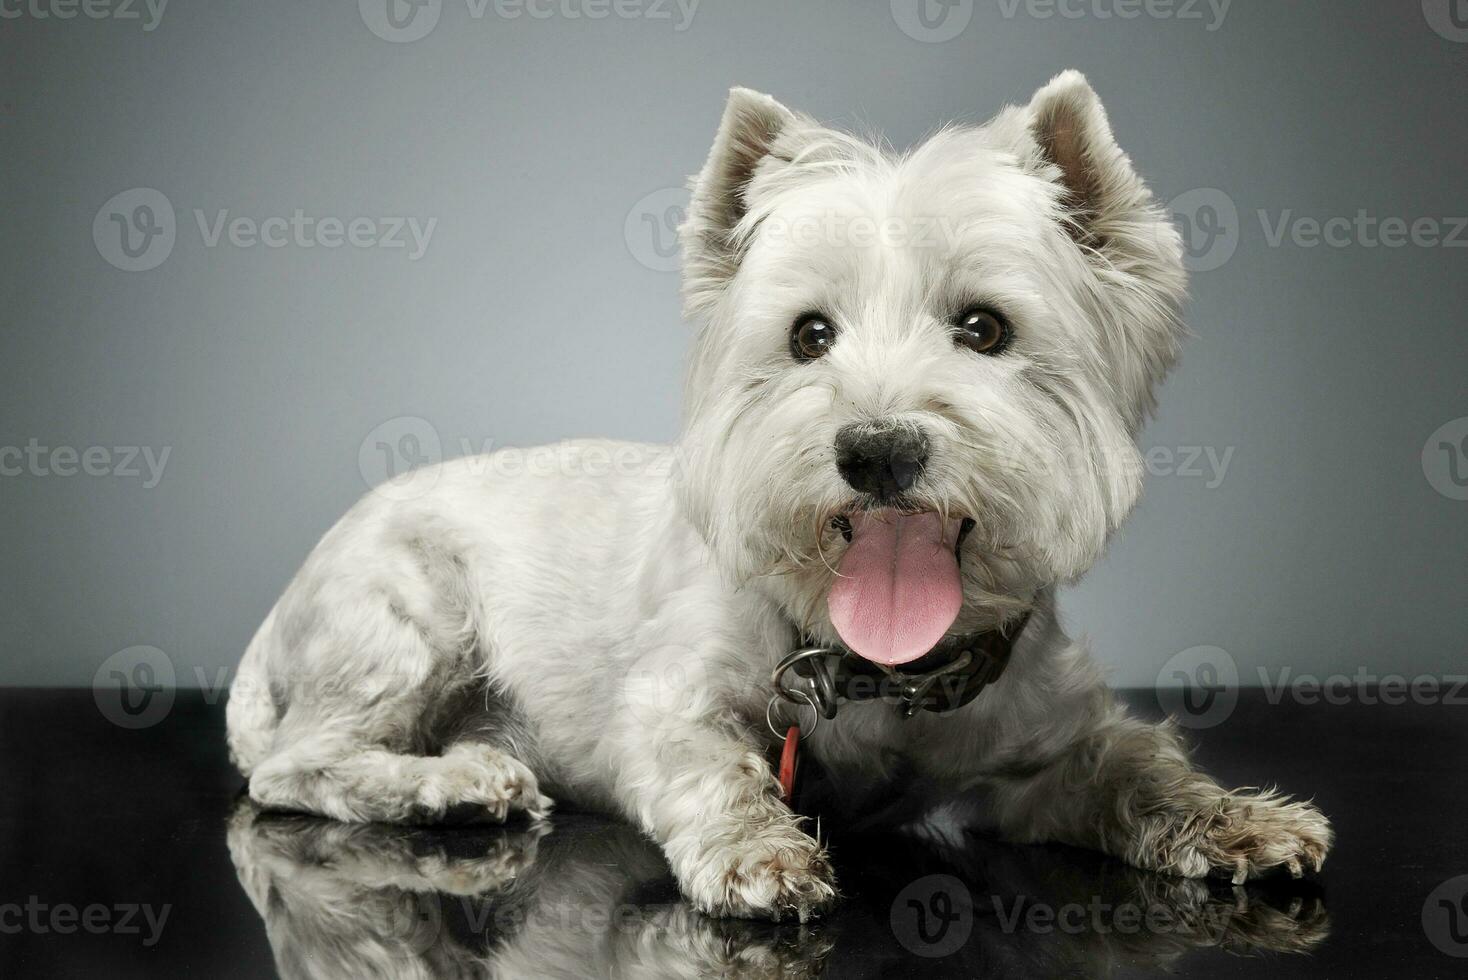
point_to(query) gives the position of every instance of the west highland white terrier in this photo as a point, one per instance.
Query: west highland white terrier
(911, 415)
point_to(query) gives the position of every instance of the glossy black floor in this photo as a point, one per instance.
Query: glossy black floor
(129, 853)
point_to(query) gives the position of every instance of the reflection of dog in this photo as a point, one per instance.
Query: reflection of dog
(370, 900)
(592, 899)
(911, 413)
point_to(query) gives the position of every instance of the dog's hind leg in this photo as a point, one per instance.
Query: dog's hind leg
(352, 781)
(250, 714)
(373, 678)
(393, 748)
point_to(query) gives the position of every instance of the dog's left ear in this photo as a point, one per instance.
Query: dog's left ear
(755, 134)
(1063, 135)
(1071, 134)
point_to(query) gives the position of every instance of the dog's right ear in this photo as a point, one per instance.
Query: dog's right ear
(756, 131)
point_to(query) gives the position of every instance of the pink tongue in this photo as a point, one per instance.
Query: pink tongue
(898, 589)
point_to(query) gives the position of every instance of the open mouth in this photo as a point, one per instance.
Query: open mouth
(897, 590)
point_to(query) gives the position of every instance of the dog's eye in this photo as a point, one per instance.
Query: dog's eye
(981, 330)
(811, 337)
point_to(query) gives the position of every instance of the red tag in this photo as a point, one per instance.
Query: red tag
(788, 761)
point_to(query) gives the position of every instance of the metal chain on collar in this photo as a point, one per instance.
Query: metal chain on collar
(823, 677)
(809, 676)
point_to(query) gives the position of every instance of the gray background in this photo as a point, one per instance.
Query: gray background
(539, 310)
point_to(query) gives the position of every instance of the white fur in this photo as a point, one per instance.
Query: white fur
(597, 621)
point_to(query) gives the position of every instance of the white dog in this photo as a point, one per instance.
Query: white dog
(911, 415)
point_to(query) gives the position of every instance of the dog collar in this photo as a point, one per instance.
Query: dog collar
(944, 679)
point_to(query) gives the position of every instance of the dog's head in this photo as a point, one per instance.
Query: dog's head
(918, 378)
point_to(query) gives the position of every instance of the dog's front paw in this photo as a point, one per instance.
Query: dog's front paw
(740, 868)
(1240, 835)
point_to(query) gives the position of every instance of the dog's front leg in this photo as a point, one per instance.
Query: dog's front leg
(1126, 787)
(705, 793)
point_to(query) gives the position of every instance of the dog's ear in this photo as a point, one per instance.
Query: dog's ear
(1063, 135)
(1071, 134)
(756, 131)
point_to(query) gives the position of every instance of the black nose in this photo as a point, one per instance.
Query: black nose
(881, 459)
